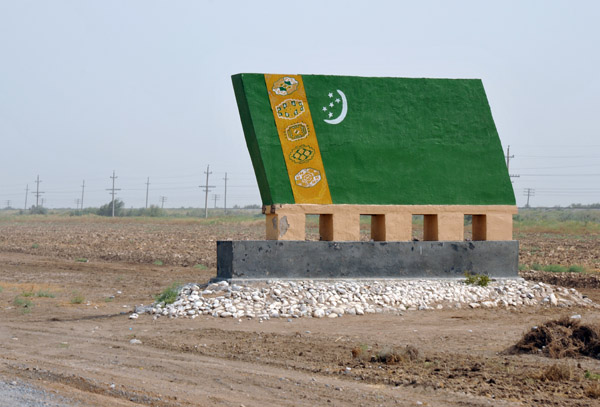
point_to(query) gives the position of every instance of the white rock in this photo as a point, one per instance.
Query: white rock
(319, 313)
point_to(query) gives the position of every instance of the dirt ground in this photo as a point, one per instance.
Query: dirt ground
(68, 286)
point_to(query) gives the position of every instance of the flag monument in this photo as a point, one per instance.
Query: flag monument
(341, 146)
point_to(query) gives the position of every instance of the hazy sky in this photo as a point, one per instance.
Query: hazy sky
(144, 88)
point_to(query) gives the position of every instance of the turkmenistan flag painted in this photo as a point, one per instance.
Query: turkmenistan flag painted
(382, 141)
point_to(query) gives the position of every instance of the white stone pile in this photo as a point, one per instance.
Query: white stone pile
(318, 299)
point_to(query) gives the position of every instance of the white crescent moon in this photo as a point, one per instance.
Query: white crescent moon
(342, 115)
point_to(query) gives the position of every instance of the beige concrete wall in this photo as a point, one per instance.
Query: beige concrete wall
(390, 222)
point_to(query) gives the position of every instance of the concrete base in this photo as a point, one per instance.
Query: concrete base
(264, 259)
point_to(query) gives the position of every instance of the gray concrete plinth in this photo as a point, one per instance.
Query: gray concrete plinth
(270, 259)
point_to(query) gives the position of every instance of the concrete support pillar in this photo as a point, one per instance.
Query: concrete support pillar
(451, 226)
(286, 226)
(392, 227)
(340, 227)
(499, 226)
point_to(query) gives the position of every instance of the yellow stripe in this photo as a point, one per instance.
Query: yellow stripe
(298, 139)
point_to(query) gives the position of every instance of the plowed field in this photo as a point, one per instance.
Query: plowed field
(68, 285)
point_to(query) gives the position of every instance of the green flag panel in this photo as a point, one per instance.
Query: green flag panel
(385, 141)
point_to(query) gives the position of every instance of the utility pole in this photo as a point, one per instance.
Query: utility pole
(113, 189)
(529, 192)
(78, 202)
(82, 190)
(508, 157)
(206, 189)
(215, 197)
(26, 192)
(8, 204)
(147, 188)
(162, 202)
(225, 202)
(38, 192)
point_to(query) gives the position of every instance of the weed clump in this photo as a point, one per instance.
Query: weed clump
(561, 338)
(44, 294)
(77, 299)
(389, 356)
(169, 295)
(481, 280)
(592, 391)
(556, 373)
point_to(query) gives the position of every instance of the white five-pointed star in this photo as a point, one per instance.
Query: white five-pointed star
(331, 105)
(330, 114)
(337, 100)
(330, 95)
(324, 109)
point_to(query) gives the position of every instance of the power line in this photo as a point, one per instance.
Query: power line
(113, 189)
(38, 192)
(147, 188)
(225, 202)
(529, 192)
(206, 189)
(82, 190)
(508, 157)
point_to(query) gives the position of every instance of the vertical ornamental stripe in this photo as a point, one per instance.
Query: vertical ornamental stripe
(298, 139)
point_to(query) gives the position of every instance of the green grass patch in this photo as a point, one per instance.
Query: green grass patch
(200, 267)
(35, 246)
(81, 260)
(523, 267)
(576, 269)
(24, 303)
(1, 289)
(109, 299)
(77, 298)
(555, 268)
(158, 263)
(169, 294)
(27, 294)
(481, 280)
(591, 376)
(45, 294)
(536, 267)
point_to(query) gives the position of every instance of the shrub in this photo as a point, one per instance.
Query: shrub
(169, 294)
(38, 210)
(481, 280)
(106, 209)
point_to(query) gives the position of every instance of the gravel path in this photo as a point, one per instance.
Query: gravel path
(20, 394)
